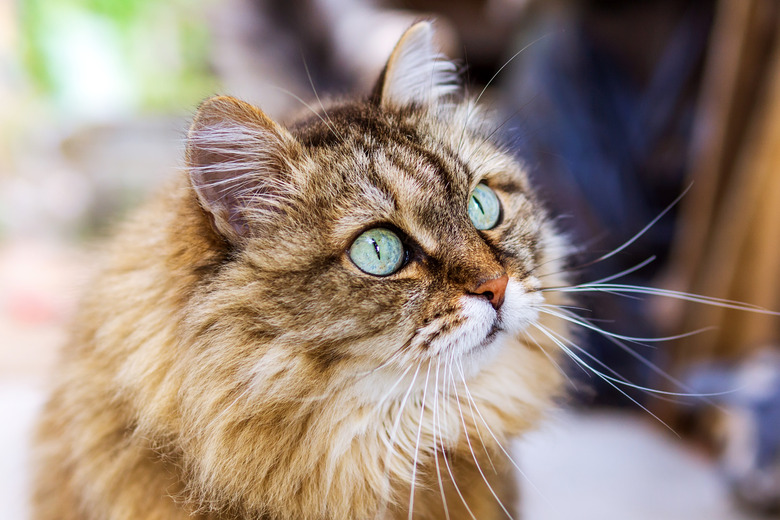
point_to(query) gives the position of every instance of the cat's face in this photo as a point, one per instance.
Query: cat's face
(378, 234)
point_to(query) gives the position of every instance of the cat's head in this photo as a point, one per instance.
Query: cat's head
(384, 232)
(358, 248)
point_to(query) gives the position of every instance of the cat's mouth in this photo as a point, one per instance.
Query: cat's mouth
(472, 328)
(494, 330)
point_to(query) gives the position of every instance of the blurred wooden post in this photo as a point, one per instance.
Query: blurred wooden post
(728, 242)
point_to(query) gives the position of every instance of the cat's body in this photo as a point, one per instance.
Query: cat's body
(231, 360)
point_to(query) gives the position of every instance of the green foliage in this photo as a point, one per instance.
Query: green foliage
(33, 22)
(159, 46)
(124, 12)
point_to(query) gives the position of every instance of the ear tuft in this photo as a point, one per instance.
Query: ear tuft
(238, 161)
(416, 73)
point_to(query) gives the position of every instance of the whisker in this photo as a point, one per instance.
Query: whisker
(417, 445)
(589, 326)
(390, 442)
(626, 272)
(448, 370)
(550, 261)
(668, 293)
(652, 366)
(550, 358)
(663, 374)
(471, 449)
(498, 443)
(487, 139)
(479, 434)
(490, 81)
(305, 104)
(644, 230)
(393, 357)
(390, 391)
(610, 381)
(623, 380)
(332, 126)
(628, 242)
(394, 431)
(435, 453)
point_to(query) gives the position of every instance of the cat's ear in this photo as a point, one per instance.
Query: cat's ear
(416, 72)
(238, 161)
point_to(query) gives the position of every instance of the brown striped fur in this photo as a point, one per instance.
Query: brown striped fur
(229, 360)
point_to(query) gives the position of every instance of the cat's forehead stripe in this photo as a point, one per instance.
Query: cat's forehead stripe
(407, 157)
(356, 129)
(362, 127)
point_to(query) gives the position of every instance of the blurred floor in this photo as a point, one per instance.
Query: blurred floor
(18, 405)
(617, 465)
(597, 465)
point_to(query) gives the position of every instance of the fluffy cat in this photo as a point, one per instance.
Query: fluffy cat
(338, 319)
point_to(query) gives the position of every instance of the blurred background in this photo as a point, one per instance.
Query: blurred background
(616, 107)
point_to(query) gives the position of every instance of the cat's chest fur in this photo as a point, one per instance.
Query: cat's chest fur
(340, 320)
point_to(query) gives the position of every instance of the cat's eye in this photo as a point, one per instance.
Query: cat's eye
(378, 251)
(484, 208)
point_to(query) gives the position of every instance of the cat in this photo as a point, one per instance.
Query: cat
(347, 317)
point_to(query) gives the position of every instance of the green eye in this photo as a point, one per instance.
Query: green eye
(377, 251)
(484, 208)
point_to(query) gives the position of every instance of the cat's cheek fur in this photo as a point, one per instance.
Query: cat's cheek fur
(520, 307)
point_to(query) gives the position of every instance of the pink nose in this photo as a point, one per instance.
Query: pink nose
(494, 290)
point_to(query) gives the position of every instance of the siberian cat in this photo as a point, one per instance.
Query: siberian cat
(346, 318)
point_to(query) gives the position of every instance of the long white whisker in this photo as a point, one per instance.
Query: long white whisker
(627, 271)
(390, 442)
(668, 293)
(589, 326)
(490, 81)
(448, 369)
(304, 103)
(649, 364)
(630, 241)
(437, 420)
(384, 398)
(550, 358)
(621, 380)
(610, 381)
(394, 431)
(495, 438)
(487, 139)
(417, 445)
(473, 455)
(657, 370)
(644, 229)
(474, 418)
(395, 356)
(311, 82)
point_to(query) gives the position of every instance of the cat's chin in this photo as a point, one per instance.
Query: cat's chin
(481, 355)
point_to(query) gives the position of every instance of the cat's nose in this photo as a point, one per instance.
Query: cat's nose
(494, 290)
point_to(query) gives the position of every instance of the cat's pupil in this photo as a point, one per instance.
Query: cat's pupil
(476, 200)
